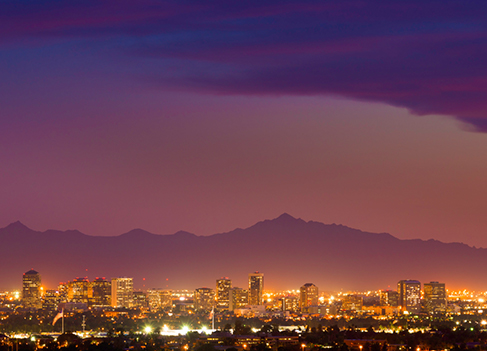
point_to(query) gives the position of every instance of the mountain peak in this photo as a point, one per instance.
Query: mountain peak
(17, 226)
(286, 218)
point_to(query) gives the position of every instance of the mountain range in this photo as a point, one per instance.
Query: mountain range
(289, 251)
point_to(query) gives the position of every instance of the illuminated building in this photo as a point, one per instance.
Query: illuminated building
(31, 290)
(223, 294)
(140, 299)
(159, 299)
(122, 292)
(308, 296)
(256, 288)
(51, 299)
(238, 298)
(290, 303)
(389, 298)
(78, 290)
(101, 292)
(435, 297)
(352, 303)
(409, 293)
(204, 299)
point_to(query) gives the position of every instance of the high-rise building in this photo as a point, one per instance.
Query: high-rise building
(223, 286)
(389, 298)
(122, 292)
(409, 293)
(238, 298)
(79, 290)
(101, 292)
(51, 300)
(31, 290)
(308, 297)
(256, 288)
(435, 297)
(352, 303)
(204, 299)
(140, 300)
(290, 303)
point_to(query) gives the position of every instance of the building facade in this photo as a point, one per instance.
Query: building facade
(222, 297)
(238, 298)
(31, 290)
(256, 288)
(101, 292)
(435, 297)
(122, 292)
(409, 295)
(204, 299)
(308, 294)
(389, 298)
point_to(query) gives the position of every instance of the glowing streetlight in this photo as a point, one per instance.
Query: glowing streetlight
(303, 346)
(148, 330)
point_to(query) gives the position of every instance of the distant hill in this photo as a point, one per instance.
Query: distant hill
(289, 251)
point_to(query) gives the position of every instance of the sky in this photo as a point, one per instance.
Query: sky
(208, 116)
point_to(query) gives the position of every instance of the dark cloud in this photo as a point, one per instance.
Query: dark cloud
(427, 56)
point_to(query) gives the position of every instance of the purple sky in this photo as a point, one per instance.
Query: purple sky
(199, 116)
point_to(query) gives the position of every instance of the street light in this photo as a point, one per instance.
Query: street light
(303, 346)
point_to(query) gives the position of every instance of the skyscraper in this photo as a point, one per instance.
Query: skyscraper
(435, 297)
(79, 290)
(389, 298)
(308, 296)
(409, 292)
(204, 299)
(101, 290)
(223, 286)
(238, 298)
(122, 292)
(256, 288)
(31, 289)
(352, 303)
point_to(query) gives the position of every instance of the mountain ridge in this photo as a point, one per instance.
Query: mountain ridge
(290, 251)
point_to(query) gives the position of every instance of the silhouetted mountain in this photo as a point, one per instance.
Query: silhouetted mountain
(289, 251)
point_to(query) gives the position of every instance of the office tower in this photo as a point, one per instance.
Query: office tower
(352, 303)
(51, 299)
(78, 290)
(308, 297)
(238, 298)
(223, 286)
(63, 291)
(122, 292)
(204, 299)
(435, 297)
(101, 292)
(290, 303)
(153, 299)
(31, 290)
(409, 293)
(140, 300)
(256, 288)
(159, 299)
(389, 298)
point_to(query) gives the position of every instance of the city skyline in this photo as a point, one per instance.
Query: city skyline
(206, 117)
(336, 257)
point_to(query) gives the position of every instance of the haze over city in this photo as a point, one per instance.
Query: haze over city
(206, 117)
